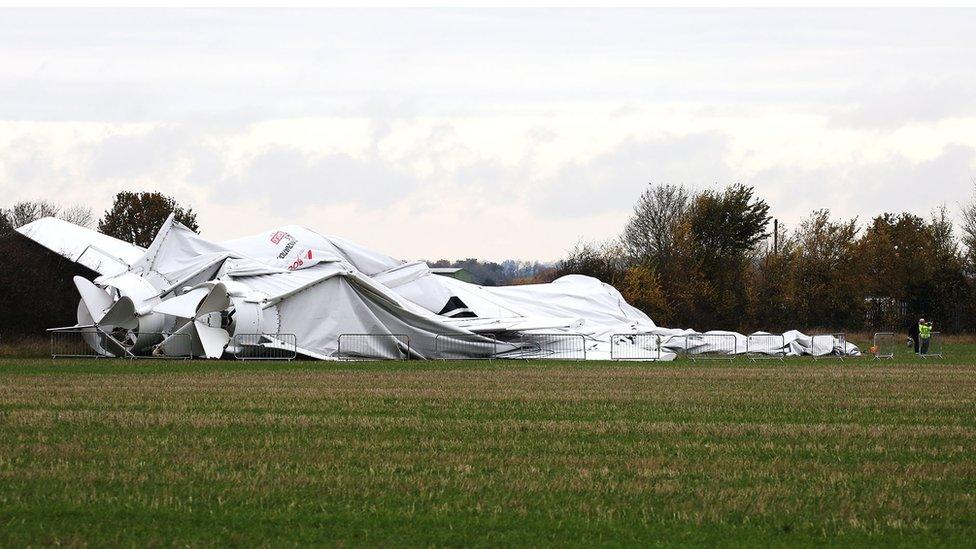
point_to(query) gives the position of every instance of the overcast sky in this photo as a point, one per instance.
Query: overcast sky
(495, 134)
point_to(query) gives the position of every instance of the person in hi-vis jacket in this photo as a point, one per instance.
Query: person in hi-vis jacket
(924, 336)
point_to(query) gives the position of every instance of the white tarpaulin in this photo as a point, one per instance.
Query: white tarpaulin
(292, 280)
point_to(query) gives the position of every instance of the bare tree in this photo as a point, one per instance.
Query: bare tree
(969, 231)
(26, 211)
(650, 234)
(79, 215)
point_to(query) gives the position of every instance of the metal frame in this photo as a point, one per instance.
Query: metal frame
(525, 340)
(58, 336)
(833, 350)
(876, 343)
(935, 336)
(762, 352)
(442, 347)
(258, 351)
(398, 339)
(711, 355)
(76, 337)
(637, 339)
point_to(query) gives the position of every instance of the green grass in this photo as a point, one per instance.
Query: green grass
(476, 453)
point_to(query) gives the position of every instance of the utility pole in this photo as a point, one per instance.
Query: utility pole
(775, 236)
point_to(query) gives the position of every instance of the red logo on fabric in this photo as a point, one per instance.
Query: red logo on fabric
(276, 238)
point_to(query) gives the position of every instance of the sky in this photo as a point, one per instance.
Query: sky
(485, 133)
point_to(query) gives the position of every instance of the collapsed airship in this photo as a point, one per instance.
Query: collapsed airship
(187, 296)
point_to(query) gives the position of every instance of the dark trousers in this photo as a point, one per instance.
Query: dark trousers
(924, 347)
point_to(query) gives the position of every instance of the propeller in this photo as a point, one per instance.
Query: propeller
(101, 310)
(201, 307)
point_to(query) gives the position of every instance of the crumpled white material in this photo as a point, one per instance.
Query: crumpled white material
(320, 287)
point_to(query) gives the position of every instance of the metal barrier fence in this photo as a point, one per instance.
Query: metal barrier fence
(373, 347)
(95, 343)
(552, 346)
(884, 345)
(828, 346)
(932, 348)
(765, 346)
(711, 346)
(171, 342)
(635, 347)
(465, 346)
(80, 343)
(265, 346)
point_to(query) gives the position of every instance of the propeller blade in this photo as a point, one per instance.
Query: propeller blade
(180, 342)
(121, 314)
(216, 300)
(84, 317)
(213, 339)
(183, 306)
(96, 300)
(95, 340)
(186, 335)
(112, 346)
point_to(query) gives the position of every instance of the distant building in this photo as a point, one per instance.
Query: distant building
(454, 272)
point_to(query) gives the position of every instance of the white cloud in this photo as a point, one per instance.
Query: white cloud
(484, 133)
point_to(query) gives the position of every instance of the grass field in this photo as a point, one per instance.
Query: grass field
(502, 453)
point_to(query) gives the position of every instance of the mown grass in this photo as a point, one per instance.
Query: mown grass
(477, 453)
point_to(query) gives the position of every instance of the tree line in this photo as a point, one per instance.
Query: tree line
(701, 259)
(134, 217)
(494, 273)
(709, 260)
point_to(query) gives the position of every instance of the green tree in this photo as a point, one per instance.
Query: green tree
(137, 217)
(827, 275)
(916, 262)
(771, 287)
(728, 223)
(724, 228)
(642, 289)
(950, 285)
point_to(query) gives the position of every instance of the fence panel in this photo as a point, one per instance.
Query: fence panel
(884, 345)
(553, 346)
(828, 346)
(373, 347)
(711, 346)
(265, 346)
(932, 348)
(94, 343)
(86, 343)
(635, 347)
(79, 343)
(765, 346)
(465, 346)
